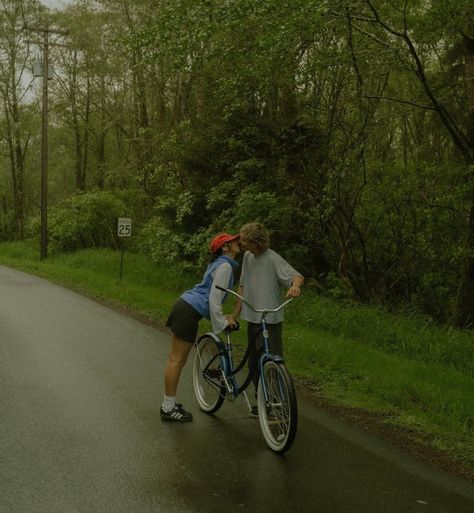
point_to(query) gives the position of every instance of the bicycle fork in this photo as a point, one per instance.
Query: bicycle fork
(264, 358)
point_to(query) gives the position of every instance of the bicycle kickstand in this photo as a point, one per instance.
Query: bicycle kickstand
(249, 406)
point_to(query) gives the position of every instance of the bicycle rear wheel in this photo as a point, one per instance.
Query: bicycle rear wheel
(279, 415)
(207, 375)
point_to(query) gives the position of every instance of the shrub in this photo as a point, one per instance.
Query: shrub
(159, 242)
(164, 245)
(7, 226)
(85, 220)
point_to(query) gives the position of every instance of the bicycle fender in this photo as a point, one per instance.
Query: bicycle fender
(220, 345)
(272, 357)
(216, 339)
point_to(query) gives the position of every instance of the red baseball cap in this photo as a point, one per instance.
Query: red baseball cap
(219, 240)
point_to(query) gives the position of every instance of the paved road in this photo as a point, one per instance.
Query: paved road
(80, 387)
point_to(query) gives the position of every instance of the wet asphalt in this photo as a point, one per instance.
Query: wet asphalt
(80, 390)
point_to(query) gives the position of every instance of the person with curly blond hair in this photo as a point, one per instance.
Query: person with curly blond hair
(264, 274)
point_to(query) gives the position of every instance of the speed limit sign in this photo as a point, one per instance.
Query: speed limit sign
(124, 227)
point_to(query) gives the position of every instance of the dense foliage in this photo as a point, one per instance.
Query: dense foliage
(340, 124)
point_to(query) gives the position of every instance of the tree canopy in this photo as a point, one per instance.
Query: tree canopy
(346, 126)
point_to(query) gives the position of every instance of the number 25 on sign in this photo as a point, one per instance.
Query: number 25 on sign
(124, 229)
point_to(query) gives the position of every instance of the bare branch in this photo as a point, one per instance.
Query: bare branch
(350, 43)
(353, 16)
(382, 24)
(371, 36)
(399, 100)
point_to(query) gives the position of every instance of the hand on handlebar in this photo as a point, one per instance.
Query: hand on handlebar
(293, 291)
(232, 324)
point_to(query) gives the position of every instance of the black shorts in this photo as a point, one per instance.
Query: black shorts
(183, 321)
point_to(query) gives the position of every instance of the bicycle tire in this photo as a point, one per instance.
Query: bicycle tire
(278, 416)
(207, 372)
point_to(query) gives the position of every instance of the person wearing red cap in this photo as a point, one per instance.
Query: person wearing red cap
(203, 300)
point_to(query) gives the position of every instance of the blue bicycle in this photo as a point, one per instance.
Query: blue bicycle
(215, 377)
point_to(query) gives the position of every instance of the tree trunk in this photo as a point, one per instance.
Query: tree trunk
(101, 137)
(78, 142)
(464, 313)
(144, 142)
(85, 151)
(16, 158)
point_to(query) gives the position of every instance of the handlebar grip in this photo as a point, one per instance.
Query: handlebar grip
(235, 327)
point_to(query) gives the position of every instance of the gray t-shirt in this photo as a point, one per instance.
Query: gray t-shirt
(262, 279)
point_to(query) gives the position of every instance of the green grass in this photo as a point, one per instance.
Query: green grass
(413, 336)
(435, 399)
(420, 375)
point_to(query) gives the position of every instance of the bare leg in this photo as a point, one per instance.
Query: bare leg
(176, 361)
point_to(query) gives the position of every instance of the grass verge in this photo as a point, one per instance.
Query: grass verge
(405, 371)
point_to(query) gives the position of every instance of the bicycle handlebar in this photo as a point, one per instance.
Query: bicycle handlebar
(262, 311)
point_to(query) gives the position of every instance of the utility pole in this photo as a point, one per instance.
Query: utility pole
(45, 31)
(44, 150)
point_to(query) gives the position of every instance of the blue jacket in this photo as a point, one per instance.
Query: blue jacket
(198, 296)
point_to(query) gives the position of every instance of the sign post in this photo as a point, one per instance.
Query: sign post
(124, 230)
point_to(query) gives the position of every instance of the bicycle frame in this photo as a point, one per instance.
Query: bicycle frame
(226, 355)
(228, 370)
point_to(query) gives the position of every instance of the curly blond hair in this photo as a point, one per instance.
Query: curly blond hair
(256, 233)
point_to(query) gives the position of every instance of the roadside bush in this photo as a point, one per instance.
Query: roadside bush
(84, 221)
(159, 242)
(164, 245)
(33, 227)
(7, 226)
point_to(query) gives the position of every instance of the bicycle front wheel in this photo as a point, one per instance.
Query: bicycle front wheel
(278, 415)
(207, 375)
